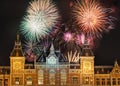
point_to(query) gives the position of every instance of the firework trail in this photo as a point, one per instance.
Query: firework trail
(42, 17)
(72, 57)
(92, 18)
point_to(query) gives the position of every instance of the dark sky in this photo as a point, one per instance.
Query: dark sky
(12, 11)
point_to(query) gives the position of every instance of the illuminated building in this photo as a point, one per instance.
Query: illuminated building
(53, 72)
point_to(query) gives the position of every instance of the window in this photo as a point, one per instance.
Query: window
(108, 81)
(6, 82)
(17, 81)
(0, 82)
(40, 77)
(86, 80)
(63, 77)
(118, 81)
(75, 80)
(29, 81)
(52, 77)
(103, 81)
(114, 81)
(97, 81)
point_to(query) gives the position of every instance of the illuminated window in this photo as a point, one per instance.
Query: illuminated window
(63, 77)
(86, 80)
(40, 77)
(52, 77)
(75, 80)
(108, 81)
(17, 81)
(6, 82)
(97, 81)
(29, 81)
(103, 81)
(118, 81)
(114, 81)
(0, 82)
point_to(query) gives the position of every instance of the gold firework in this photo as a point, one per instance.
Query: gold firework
(91, 17)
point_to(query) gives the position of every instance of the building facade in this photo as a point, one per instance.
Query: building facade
(53, 72)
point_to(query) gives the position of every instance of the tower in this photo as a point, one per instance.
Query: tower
(17, 62)
(52, 59)
(87, 66)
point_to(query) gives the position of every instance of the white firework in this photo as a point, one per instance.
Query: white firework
(32, 47)
(42, 16)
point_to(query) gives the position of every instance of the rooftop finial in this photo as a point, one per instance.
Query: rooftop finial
(18, 38)
(116, 63)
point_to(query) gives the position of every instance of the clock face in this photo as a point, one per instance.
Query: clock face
(17, 65)
(52, 60)
(87, 65)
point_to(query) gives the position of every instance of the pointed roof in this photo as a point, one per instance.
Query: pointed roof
(52, 51)
(17, 50)
(86, 50)
(116, 68)
(52, 58)
(116, 64)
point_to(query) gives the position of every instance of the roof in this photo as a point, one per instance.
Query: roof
(103, 69)
(86, 51)
(48, 52)
(17, 50)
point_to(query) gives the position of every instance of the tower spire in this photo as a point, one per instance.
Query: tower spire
(116, 63)
(18, 38)
(17, 50)
(52, 50)
(86, 50)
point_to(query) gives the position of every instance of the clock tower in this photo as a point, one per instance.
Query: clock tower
(17, 61)
(87, 66)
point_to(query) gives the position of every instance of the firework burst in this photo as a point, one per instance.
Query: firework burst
(42, 16)
(72, 57)
(32, 49)
(68, 37)
(92, 18)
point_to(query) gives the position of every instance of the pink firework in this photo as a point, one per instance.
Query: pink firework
(68, 36)
(80, 39)
(92, 18)
(30, 56)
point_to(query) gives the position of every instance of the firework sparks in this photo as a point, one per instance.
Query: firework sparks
(42, 16)
(30, 56)
(80, 39)
(29, 46)
(32, 49)
(72, 57)
(67, 36)
(92, 18)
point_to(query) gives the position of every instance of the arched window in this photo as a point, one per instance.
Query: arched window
(75, 80)
(40, 77)
(29, 80)
(52, 77)
(17, 80)
(63, 77)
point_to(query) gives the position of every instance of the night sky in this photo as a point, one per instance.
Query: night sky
(12, 12)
